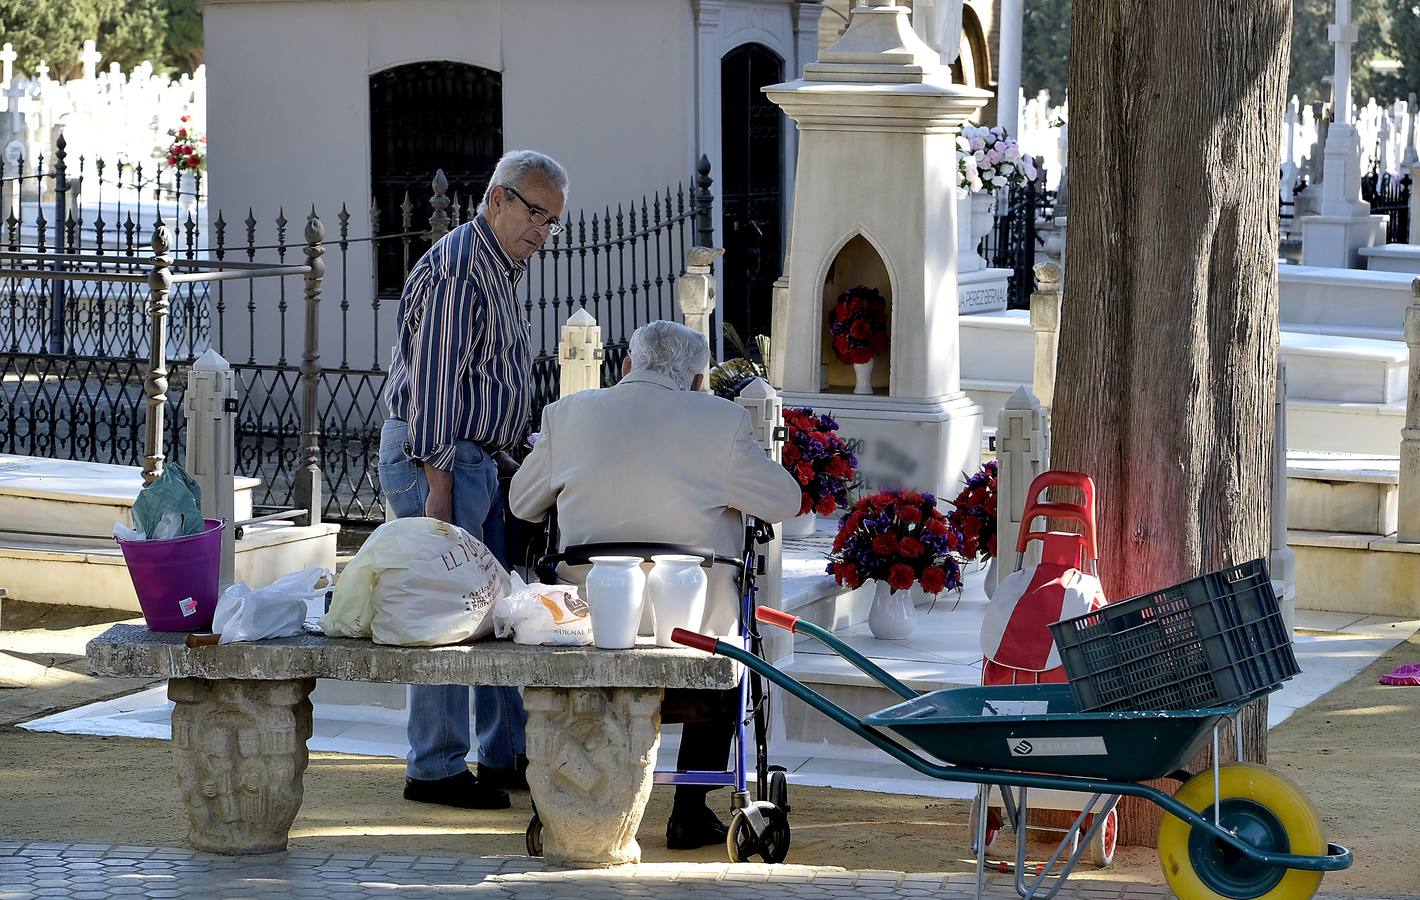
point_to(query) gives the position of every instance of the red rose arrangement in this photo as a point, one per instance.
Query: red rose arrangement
(974, 514)
(859, 325)
(819, 460)
(899, 537)
(188, 150)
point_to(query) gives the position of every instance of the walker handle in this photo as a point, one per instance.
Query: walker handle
(777, 618)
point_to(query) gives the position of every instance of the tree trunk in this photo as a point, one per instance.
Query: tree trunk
(1168, 347)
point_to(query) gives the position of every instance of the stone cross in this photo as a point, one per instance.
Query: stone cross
(13, 93)
(210, 406)
(1022, 453)
(579, 354)
(42, 73)
(1342, 33)
(89, 58)
(766, 415)
(7, 62)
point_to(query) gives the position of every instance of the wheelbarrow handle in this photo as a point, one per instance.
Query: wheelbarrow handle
(777, 618)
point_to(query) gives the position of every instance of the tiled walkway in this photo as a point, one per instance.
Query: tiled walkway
(94, 872)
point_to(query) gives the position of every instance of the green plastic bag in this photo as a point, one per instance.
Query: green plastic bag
(169, 507)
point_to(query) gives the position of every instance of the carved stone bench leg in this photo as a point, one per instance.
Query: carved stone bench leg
(591, 760)
(241, 751)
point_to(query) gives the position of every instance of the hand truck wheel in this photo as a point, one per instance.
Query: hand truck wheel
(772, 846)
(534, 836)
(1103, 844)
(1262, 808)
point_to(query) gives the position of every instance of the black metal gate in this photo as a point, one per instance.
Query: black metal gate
(1389, 196)
(423, 117)
(752, 182)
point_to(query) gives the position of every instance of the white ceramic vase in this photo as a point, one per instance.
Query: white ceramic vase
(187, 191)
(798, 526)
(675, 590)
(892, 616)
(615, 591)
(989, 584)
(976, 213)
(863, 377)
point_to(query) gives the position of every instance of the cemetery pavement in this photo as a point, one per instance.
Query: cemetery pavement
(83, 871)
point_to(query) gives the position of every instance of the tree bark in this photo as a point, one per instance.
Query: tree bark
(1168, 347)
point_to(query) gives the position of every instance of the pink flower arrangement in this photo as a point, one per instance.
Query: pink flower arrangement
(987, 159)
(188, 150)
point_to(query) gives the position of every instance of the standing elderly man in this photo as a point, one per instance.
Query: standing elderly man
(653, 460)
(458, 396)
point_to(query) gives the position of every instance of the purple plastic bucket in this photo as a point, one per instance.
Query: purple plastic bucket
(176, 579)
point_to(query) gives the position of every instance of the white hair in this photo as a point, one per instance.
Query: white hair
(670, 349)
(517, 166)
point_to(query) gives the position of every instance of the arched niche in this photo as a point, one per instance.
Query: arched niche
(856, 263)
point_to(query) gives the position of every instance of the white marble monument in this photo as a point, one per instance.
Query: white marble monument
(877, 117)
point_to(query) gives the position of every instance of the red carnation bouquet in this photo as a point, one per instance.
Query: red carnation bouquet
(819, 460)
(188, 150)
(859, 325)
(974, 514)
(899, 537)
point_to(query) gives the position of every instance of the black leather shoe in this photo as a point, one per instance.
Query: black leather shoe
(512, 779)
(694, 829)
(461, 790)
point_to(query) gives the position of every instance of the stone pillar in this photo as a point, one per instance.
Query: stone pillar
(1408, 515)
(779, 319)
(766, 415)
(591, 763)
(580, 353)
(1344, 224)
(210, 405)
(1282, 562)
(695, 291)
(240, 748)
(1045, 322)
(1008, 67)
(1022, 453)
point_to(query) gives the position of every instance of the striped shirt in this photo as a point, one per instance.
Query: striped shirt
(462, 366)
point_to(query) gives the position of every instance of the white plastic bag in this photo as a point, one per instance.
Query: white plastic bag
(279, 609)
(553, 614)
(417, 582)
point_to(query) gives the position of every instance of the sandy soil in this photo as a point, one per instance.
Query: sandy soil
(1356, 753)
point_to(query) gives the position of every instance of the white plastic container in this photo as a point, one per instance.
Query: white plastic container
(676, 591)
(615, 592)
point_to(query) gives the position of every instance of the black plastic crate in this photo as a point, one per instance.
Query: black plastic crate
(1206, 642)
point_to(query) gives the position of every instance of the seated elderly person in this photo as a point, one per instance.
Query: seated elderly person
(651, 459)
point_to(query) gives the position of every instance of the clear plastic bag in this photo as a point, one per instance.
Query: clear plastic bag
(553, 614)
(279, 609)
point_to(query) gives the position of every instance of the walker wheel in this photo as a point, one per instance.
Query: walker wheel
(993, 826)
(779, 790)
(1102, 845)
(772, 846)
(534, 836)
(1262, 808)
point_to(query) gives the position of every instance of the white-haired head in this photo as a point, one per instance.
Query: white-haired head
(517, 166)
(669, 349)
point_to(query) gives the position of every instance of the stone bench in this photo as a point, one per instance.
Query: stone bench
(242, 716)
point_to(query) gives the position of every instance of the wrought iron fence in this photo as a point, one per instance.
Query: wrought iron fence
(72, 361)
(1014, 240)
(1389, 196)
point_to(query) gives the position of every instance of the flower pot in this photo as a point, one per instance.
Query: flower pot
(676, 591)
(799, 526)
(976, 213)
(187, 191)
(863, 377)
(615, 591)
(892, 616)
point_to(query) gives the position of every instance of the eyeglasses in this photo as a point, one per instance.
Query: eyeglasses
(538, 217)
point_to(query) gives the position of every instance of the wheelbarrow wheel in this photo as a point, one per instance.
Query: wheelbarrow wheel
(772, 846)
(534, 836)
(1261, 807)
(1105, 840)
(993, 826)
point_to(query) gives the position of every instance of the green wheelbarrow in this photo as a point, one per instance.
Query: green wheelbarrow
(1236, 831)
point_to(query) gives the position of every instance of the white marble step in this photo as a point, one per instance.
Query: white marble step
(40, 570)
(1343, 301)
(71, 502)
(1343, 493)
(1403, 258)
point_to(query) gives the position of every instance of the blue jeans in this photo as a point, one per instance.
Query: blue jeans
(438, 726)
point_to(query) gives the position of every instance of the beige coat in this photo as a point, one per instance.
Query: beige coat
(644, 461)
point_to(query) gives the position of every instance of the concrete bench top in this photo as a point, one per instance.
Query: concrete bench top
(133, 650)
